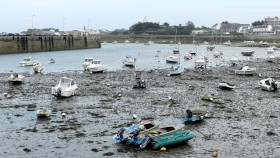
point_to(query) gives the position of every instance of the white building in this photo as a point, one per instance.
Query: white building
(263, 29)
(272, 21)
(202, 31)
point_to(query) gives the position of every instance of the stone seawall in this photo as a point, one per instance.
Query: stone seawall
(236, 40)
(24, 44)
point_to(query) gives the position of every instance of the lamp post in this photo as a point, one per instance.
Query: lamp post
(88, 24)
(63, 24)
(32, 25)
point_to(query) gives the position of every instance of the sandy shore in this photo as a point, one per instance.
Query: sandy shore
(243, 122)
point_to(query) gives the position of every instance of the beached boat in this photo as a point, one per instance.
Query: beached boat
(233, 60)
(195, 114)
(43, 113)
(270, 50)
(51, 61)
(38, 67)
(96, 66)
(217, 54)
(269, 84)
(16, 79)
(228, 43)
(176, 51)
(200, 62)
(210, 48)
(192, 51)
(27, 61)
(187, 56)
(172, 59)
(87, 62)
(139, 83)
(246, 70)
(226, 86)
(175, 70)
(165, 136)
(130, 134)
(65, 88)
(270, 58)
(149, 43)
(248, 52)
(129, 61)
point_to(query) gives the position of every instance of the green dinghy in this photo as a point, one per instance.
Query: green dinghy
(165, 136)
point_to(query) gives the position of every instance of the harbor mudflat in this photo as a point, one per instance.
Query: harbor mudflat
(243, 122)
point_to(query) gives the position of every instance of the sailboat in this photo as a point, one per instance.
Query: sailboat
(211, 47)
(218, 53)
(193, 50)
(176, 69)
(176, 49)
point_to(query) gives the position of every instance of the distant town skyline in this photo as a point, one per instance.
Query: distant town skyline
(20, 15)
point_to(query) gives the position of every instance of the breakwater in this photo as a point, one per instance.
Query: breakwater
(236, 39)
(24, 44)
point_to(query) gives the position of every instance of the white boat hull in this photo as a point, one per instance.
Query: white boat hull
(97, 68)
(266, 84)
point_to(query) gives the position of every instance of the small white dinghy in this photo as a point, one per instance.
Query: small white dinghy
(269, 84)
(65, 88)
(43, 113)
(226, 86)
(246, 70)
(16, 79)
(38, 67)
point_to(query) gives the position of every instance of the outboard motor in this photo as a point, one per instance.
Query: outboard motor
(58, 92)
(136, 133)
(274, 86)
(146, 141)
(120, 133)
(189, 113)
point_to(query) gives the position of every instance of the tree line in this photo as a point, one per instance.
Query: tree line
(152, 28)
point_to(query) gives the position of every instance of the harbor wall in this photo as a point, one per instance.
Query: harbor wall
(236, 40)
(24, 44)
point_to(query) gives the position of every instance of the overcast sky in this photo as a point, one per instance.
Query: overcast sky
(16, 15)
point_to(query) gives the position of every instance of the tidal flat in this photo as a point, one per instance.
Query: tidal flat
(243, 122)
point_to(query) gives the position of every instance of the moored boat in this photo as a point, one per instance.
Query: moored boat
(16, 79)
(200, 62)
(139, 82)
(269, 84)
(218, 54)
(38, 67)
(226, 86)
(43, 113)
(65, 88)
(172, 59)
(246, 70)
(195, 114)
(270, 50)
(248, 52)
(210, 48)
(270, 58)
(175, 70)
(87, 62)
(129, 61)
(192, 51)
(233, 60)
(27, 61)
(96, 66)
(132, 132)
(187, 56)
(165, 136)
(51, 61)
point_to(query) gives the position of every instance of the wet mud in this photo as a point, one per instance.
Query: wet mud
(243, 122)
